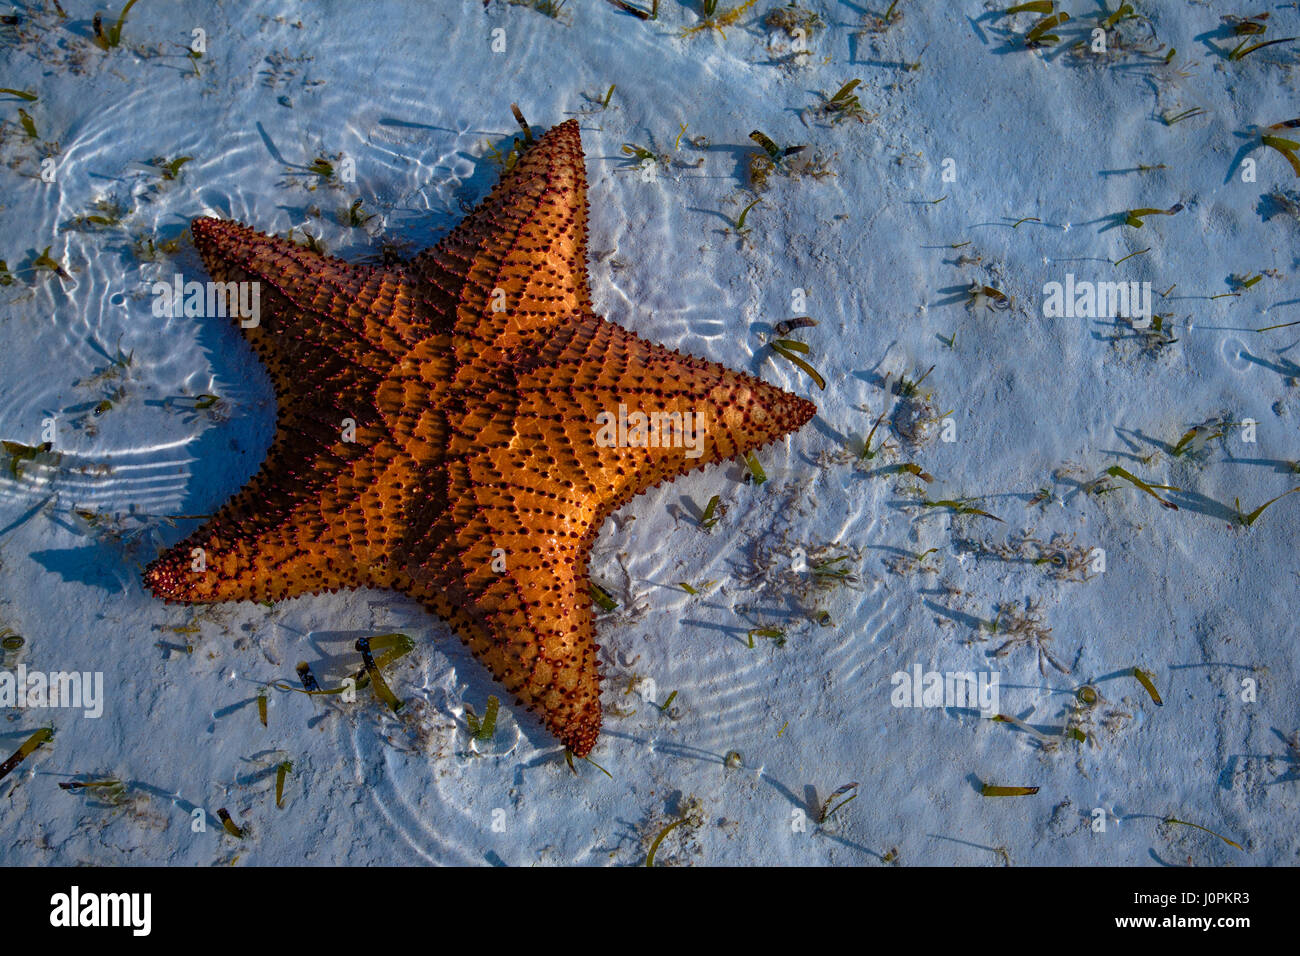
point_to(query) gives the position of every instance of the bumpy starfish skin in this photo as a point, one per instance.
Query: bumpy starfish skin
(472, 379)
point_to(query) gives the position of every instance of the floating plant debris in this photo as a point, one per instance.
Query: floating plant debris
(1193, 439)
(602, 597)
(958, 506)
(307, 678)
(1125, 12)
(392, 647)
(593, 763)
(48, 263)
(787, 348)
(523, 123)
(740, 222)
(322, 167)
(845, 104)
(170, 169)
(282, 771)
(28, 124)
(1038, 34)
(651, 14)
(224, 815)
(774, 634)
(907, 388)
(1248, 28)
(354, 217)
(712, 20)
(107, 39)
(827, 811)
(1249, 519)
(868, 452)
(18, 453)
(44, 735)
(485, 728)
(1242, 50)
(381, 688)
(1036, 6)
(989, 790)
(1169, 119)
(991, 297)
(113, 787)
(787, 326)
(1019, 724)
(1117, 472)
(640, 153)
(1136, 217)
(1197, 826)
(1144, 679)
(654, 847)
(831, 569)
(1286, 147)
(710, 516)
(774, 151)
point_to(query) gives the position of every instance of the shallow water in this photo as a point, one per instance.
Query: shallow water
(413, 96)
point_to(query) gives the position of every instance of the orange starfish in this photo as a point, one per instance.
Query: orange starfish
(459, 428)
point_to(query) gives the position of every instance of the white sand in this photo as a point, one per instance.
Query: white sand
(412, 94)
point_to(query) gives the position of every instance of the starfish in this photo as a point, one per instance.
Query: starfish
(458, 428)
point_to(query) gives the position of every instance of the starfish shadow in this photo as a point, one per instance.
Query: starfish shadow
(732, 632)
(91, 566)
(231, 452)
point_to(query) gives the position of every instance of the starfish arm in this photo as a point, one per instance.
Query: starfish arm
(327, 502)
(314, 313)
(502, 555)
(537, 213)
(532, 628)
(332, 527)
(621, 414)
